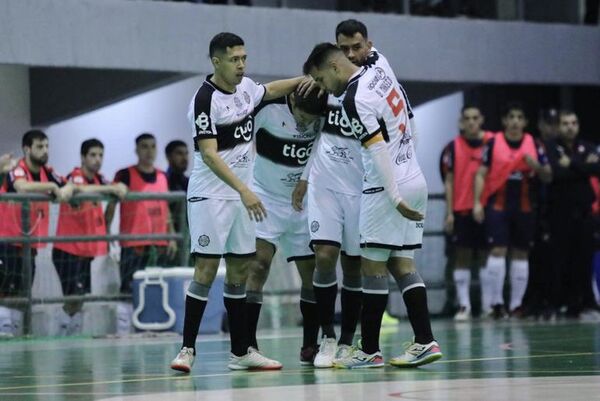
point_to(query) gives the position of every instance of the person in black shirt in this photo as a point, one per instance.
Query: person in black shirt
(570, 199)
(177, 155)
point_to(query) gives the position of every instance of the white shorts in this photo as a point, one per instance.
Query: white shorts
(333, 219)
(285, 228)
(220, 228)
(382, 226)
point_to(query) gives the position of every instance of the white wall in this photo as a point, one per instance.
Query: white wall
(14, 107)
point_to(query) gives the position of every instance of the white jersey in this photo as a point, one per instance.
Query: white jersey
(282, 148)
(228, 118)
(375, 103)
(337, 163)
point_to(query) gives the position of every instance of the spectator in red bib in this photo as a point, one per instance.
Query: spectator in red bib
(73, 259)
(461, 159)
(31, 174)
(504, 195)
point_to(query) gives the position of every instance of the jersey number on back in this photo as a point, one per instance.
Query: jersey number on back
(395, 101)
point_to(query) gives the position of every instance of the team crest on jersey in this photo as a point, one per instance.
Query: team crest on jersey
(314, 226)
(238, 103)
(339, 154)
(246, 97)
(203, 240)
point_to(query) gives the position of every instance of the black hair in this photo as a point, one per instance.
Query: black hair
(144, 136)
(320, 53)
(510, 106)
(565, 112)
(171, 146)
(549, 115)
(469, 106)
(221, 41)
(31, 136)
(350, 27)
(311, 103)
(90, 143)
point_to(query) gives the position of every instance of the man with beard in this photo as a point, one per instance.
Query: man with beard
(31, 174)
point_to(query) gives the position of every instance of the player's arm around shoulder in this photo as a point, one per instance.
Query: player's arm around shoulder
(284, 87)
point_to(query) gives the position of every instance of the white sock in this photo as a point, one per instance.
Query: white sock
(519, 275)
(462, 280)
(496, 266)
(487, 290)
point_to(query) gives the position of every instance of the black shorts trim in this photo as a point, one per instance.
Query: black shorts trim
(239, 255)
(206, 255)
(323, 242)
(350, 256)
(268, 242)
(392, 247)
(305, 257)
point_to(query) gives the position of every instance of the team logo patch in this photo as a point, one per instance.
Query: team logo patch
(204, 240)
(314, 226)
(238, 102)
(203, 122)
(246, 97)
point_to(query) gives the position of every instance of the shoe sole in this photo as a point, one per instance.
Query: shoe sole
(428, 359)
(239, 367)
(181, 368)
(369, 366)
(306, 363)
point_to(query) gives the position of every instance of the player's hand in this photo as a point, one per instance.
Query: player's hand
(307, 85)
(255, 208)
(7, 163)
(564, 161)
(65, 193)
(478, 213)
(120, 190)
(408, 212)
(531, 162)
(172, 249)
(449, 223)
(298, 195)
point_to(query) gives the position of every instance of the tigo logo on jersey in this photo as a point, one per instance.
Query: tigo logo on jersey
(300, 153)
(357, 127)
(336, 119)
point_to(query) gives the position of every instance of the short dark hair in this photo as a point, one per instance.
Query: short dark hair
(469, 106)
(320, 53)
(31, 136)
(171, 146)
(90, 143)
(311, 103)
(350, 27)
(549, 116)
(514, 105)
(144, 136)
(565, 112)
(221, 41)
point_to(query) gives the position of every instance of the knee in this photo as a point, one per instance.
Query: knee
(258, 271)
(326, 257)
(205, 273)
(498, 252)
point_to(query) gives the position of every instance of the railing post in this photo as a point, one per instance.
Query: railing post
(27, 264)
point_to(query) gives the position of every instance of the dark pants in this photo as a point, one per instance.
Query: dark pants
(137, 258)
(73, 271)
(568, 280)
(12, 276)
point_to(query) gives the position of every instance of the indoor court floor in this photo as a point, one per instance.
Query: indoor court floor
(482, 361)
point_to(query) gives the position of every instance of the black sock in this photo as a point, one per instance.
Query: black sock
(252, 314)
(418, 314)
(236, 317)
(351, 305)
(194, 309)
(310, 324)
(325, 297)
(370, 325)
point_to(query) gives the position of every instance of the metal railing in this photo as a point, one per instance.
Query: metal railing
(26, 240)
